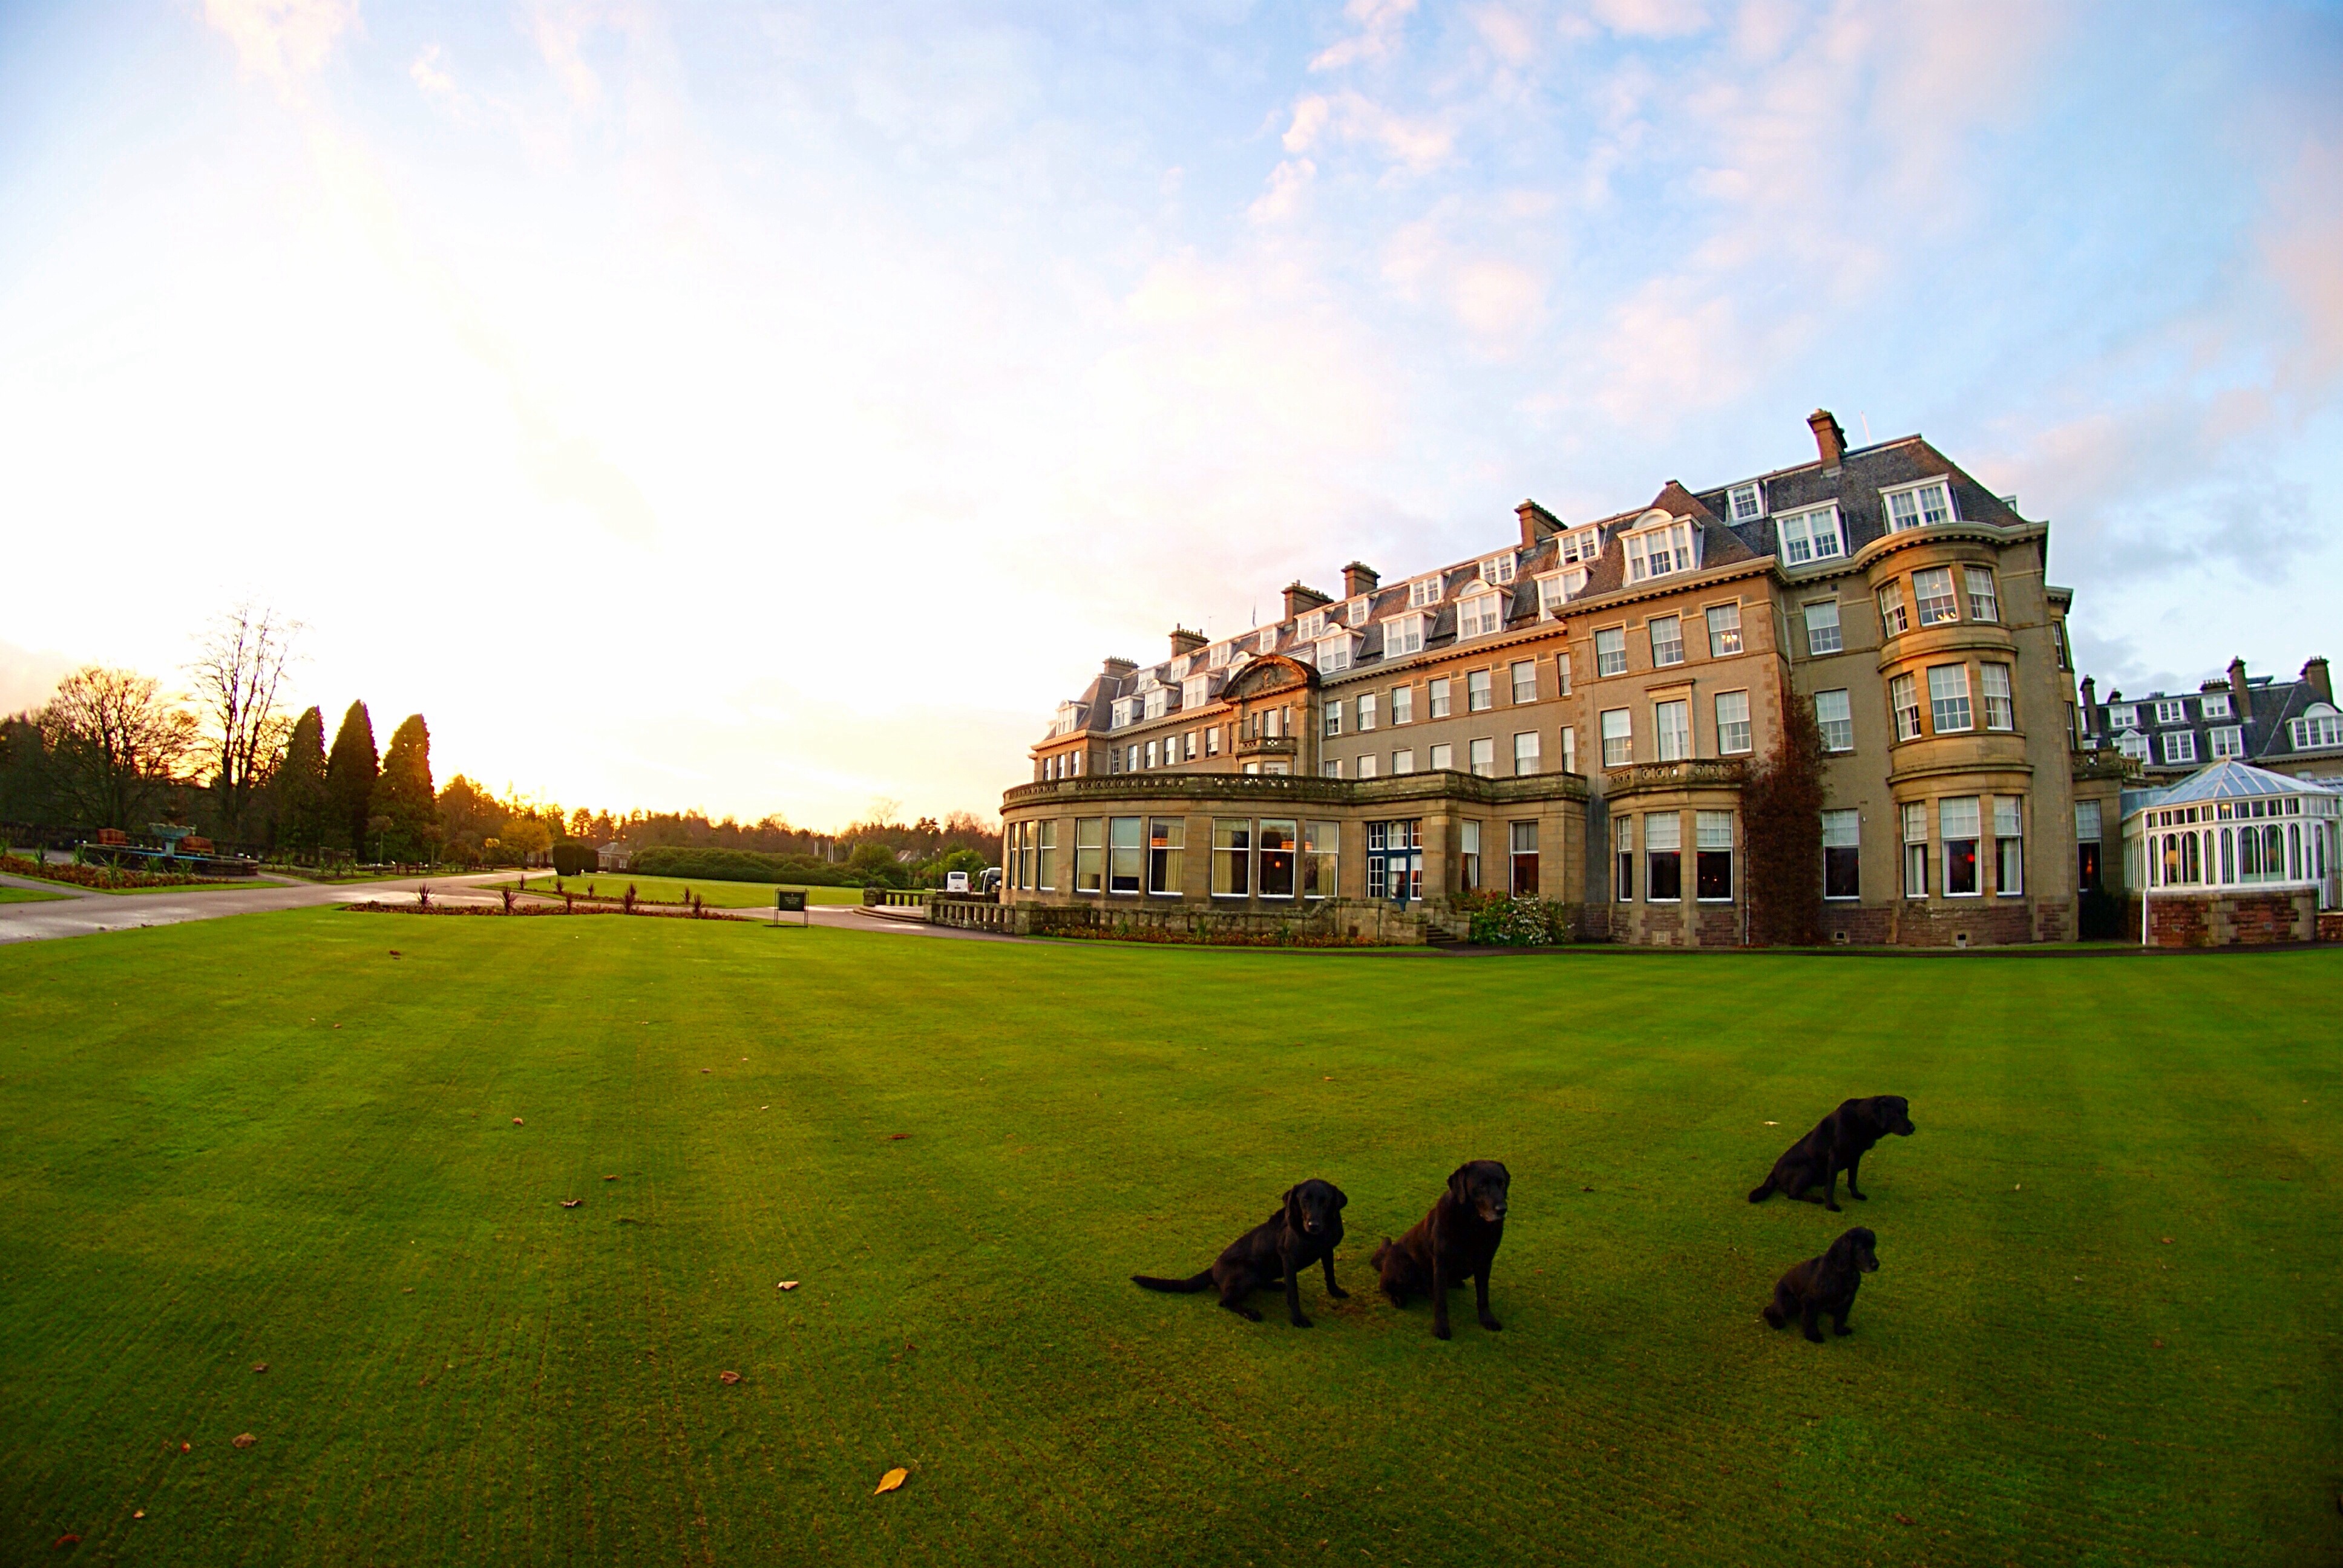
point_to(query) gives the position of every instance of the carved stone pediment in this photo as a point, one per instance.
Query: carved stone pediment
(1270, 675)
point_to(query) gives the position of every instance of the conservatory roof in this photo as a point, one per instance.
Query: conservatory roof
(2227, 779)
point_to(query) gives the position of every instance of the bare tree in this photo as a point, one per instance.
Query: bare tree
(118, 740)
(239, 669)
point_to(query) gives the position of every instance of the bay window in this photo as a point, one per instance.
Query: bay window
(1089, 853)
(1957, 826)
(1916, 850)
(1664, 858)
(1892, 621)
(1984, 604)
(1045, 856)
(1623, 859)
(1232, 859)
(2000, 712)
(1468, 856)
(2010, 844)
(1948, 697)
(1713, 862)
(1933, 592)
(1123, 856)
(1320, 862)
(1277, 847)
(1167, 842)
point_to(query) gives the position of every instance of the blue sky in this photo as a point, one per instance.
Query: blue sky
(780, 409)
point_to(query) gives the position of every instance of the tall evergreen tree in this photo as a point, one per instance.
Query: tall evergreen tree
(350, 771)
(300, 784)
(405, 793)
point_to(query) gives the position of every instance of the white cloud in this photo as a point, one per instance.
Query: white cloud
(1381, 23)
(285, 41)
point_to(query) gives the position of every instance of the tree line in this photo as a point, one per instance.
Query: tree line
(115, 749)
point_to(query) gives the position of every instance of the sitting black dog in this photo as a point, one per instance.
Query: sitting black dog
(1826, 1284)
(1303, 1232)
(1838, 1143)
(1457, 1241)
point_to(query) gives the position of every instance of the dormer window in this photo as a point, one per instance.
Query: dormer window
(1582, 545)
(2123, 716)
(2171, 711)
(2133, 744)
(1355, 612)
(1121, 712)
(1157, 701)
(1552, 592)
(1656, 552)
(1180, 668)
(1918, 506)
(1334, 653)
(1425, 591)
(1498, 570)
(1218, 657)
(1311, 626)
(1069, 719)
(1194, 691)
(1402, 634)
(1746, 502)
(1267, 641)
(1811, 535)
(2215, 705)
(1480, 614)
(2321, 729)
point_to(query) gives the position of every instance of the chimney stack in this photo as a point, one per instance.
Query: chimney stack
(1358, 578)
(2237, 688)
(1117, 669)
(1829, 440)
(1299, 599)
(2314, 676)
(2090, 701)
(1538, 525)
(1186, 641)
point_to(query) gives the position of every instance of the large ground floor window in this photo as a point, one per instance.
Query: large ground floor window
(1395, 860)
(1842, 854)
(1525, 859)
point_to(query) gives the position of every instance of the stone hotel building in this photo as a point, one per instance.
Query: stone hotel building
(1571, 713)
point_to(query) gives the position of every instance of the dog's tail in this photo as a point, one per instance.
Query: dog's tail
(1178, 1286)
(1763, 1190)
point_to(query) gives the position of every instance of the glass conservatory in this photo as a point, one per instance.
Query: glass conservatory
(2234, 828)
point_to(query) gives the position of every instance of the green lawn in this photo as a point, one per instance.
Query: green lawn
(205, 1172)
(11, 894)
(669, 890)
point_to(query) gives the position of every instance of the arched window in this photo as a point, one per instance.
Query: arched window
(2273, 851)
(2229, 856)
(2189, 870)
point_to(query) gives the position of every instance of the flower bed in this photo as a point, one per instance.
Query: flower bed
(96, 876)
(1159, 937)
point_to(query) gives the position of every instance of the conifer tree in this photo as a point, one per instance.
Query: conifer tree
(405, 794)
(300, 785)
(350, 771)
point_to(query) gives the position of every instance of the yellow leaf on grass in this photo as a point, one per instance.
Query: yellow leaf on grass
(891, 1480)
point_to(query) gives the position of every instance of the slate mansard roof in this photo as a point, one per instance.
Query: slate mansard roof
(1854, 483)
(2261, 708)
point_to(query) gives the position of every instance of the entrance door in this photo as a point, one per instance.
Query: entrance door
(1395, 860)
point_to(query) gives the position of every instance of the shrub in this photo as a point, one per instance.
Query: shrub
(715, 865)
(1499, 921)
(572, 859)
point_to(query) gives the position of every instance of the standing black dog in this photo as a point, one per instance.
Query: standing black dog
(1838, 1144)
(1458, 1239)
(1303, 1232)
(1826, 1284)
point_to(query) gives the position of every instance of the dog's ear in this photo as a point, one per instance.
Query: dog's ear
(1293, 1206)
(1456, 1183)
(1342, 1199)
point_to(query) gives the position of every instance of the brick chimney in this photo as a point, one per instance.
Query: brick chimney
(1117, 669)
(1298, 599)
(1538, 525)
(2090, 701)
(1829, 440)
(2237, 688)
(2314, 676)
(1186, 641)
(1358, 578)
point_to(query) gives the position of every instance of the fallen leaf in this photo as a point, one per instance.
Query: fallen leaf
(2156, 1344)
(891, 1137)
(2167, 1240)
(787, 1285)
(139, 1514)
(706, 1070)
(1773, 1125)
(516, 1121)
(571, 1203)
(406, 1290)
(728, 1378)
(67, 1542)
(1587, 1189)
(245, 1439)
(891, 1480)
(609, 1178)
(1904, 1519)
(394, 952)
(337, 1026)
(260, 1366)
(186, 1448)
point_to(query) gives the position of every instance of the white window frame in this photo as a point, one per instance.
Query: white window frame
(1950, 704)
(1724, 636)
(1479, 615)
(2123, 716)
(1670, 745)
(1618, 739)
(1333, 653)
(1838, 731)
(1754, 494)
(2171, 711)
(1513, 673)
(1194, 691)
(1810, 535)
(1815, 649)
(1354, 614)
(1402, 634)
(1580, 546)
(1933, 608)
(1604, 657)
(1480, 757)
(1403, 705)
(1265, 640)
(2228, 741)
(1310, 626)
(1984, 605)
(1217, 656)
(1916, 495)
(1366, 712)
(2179, 748)
(1652, 633)
(1551, 594)
(1498, 570)
(1734, 731)
(1671, 548)
(1525, 750)
(2215, 705)
(1426, 590)
(2000, 707)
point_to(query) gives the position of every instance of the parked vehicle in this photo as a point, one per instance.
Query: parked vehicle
(955, 882)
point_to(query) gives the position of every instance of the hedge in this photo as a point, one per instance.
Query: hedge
(713, 865)
(572, 859)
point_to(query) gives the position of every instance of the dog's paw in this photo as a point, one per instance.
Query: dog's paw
(1815, 1336)
(1247, 1314)
(1842, 1331)
(1858, 1197)
(1304, 1323)
(1491, 1324)
(1338, 1293)
(1439, 1331)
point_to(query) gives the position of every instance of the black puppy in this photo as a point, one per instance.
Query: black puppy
(1303, 1232)
(1458, 1239)
(1826, 1284)
(1838, 1143)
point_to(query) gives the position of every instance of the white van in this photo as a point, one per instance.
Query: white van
(955, 882)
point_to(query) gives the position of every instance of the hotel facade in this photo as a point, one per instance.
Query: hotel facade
(1572, 715)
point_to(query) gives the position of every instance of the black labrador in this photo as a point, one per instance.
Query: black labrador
(1838, 1143)
(1826, 1285)
(1304, 1231)
(1457, 1241)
